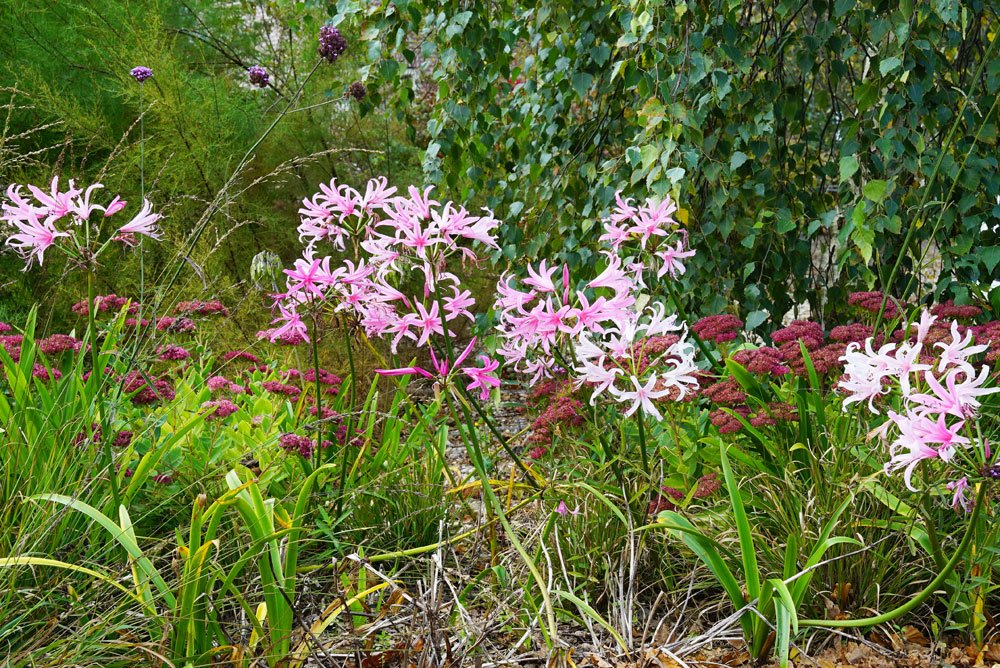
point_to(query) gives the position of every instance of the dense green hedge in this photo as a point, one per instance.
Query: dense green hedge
(803, 137)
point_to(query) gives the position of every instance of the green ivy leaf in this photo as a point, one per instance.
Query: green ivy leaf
(737, 160)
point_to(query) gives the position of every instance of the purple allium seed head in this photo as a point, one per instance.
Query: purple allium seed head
(357, 90)
(331, 43)
(140, 73)
(258, 76)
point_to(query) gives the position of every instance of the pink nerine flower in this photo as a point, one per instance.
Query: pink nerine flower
(954, 398)
(291, 325)
(143, 223)
(958, 351)
(671, 258)
(56, 203)
(564, 510)
(647, 373)
(642, 396)
(33, 238)
(959, 498)
(483, 378)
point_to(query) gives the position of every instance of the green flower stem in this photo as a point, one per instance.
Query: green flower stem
(493, 503)
(927, 591)
(932, 536)
(528, 475)
(349, 431)
(466, 400)
(97, 374)
(642, 440)
(680, 311)
(319, 392)
(612, 458)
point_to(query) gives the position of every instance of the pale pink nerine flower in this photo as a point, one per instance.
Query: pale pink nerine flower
(959, 498)
(143, 223)
(564, 510)
(867, 372)
(291, 323)
(406, 240)
(418, 233)
(546, 315)
(34, 221)
(923, 429)
(671, 258)
(917, 436)
(619, 354)
(54, 205)
(958, 399)
(326, 215)
(647, 225)
(627, 222)
(57, 204)
(33, 238)
(309, 277)
(958, 351)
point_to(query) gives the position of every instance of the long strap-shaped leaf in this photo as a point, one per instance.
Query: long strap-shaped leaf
(14, 562)
(122, 536)
(747, 551)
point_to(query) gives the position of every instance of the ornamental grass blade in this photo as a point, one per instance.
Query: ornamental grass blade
(747, 553)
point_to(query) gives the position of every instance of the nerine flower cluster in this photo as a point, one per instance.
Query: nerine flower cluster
(934, 390)
(398, 242)
(552, 322)
(42, 219)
